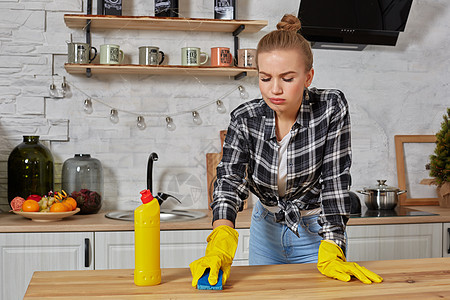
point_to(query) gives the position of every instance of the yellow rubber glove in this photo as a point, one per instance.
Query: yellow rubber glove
(222, 244)
(332, 263)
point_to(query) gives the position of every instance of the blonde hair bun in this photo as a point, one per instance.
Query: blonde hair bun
(289, 23)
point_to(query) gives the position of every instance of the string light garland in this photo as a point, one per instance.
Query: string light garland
(140, 120)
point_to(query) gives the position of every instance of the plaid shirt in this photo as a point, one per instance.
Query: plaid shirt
(318, 159)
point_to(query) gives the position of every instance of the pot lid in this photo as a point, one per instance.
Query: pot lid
(381, 186)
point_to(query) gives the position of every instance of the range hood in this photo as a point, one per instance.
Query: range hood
(353, 24)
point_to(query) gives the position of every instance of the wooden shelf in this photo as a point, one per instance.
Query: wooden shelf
(158, 70)
(158, 23)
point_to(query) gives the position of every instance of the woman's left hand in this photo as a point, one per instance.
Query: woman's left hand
(332, 263)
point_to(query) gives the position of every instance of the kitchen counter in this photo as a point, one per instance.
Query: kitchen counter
(10, 222)
(403, 279)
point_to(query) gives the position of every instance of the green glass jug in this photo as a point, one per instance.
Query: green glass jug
(30, 169)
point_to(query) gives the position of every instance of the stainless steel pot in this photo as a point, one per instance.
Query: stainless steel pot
(381, 196)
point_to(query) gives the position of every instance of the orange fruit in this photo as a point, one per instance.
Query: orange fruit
(67, 205)
(30, 206)
(58, 207)
(72, 202)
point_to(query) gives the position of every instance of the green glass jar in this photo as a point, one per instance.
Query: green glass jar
(30, 169)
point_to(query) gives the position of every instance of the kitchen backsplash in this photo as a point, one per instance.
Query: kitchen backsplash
(390, 90)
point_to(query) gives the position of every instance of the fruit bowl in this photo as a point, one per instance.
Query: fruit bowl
(46, 216)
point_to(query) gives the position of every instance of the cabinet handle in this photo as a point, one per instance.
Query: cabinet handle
(87, 257)
(448, 241)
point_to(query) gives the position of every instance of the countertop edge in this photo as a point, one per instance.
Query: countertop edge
(11, 223)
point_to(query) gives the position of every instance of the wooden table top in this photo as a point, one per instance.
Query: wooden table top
(403, 279)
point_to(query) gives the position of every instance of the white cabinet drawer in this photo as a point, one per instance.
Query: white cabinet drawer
(400, 241)
(21, 254)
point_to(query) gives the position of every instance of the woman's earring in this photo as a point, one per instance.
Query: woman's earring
(306, 94)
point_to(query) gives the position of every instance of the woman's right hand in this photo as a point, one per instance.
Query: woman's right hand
(220, 251)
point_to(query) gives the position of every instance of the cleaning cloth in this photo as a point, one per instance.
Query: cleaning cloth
(203, 283)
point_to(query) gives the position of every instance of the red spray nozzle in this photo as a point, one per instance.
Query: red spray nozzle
(146, 196)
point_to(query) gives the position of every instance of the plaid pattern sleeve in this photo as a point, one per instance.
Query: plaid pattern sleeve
(335, 178)
(231, 187)
(318, 162)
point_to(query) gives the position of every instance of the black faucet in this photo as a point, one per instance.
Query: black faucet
(153, 157)
(161, 197)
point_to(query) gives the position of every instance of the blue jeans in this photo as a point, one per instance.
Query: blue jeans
(273, 243)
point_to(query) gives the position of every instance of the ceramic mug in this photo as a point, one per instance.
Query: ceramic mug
(221, 56)
(149, 55)
(190, 56)
(111, 54)
(80, 53)
(246, 58)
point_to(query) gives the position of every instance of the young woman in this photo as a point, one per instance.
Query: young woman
(292, 150)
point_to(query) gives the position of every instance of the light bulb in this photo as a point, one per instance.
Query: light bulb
(65, 90)
(141, 123)
(52, 91)
(87, 106)
(170, 124)
(114, 116)
(196, 118)
(220, 107)
(243, 92)
(64, 84)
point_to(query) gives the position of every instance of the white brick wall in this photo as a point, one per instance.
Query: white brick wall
(391, 90)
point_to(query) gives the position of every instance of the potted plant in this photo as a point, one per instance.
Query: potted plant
(440, 162)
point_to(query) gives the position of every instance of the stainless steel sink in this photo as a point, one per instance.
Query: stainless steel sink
(166, 215)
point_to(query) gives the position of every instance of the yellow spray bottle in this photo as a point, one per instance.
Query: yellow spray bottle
(147, 269)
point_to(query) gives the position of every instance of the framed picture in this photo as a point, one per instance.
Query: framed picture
(410, 173)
